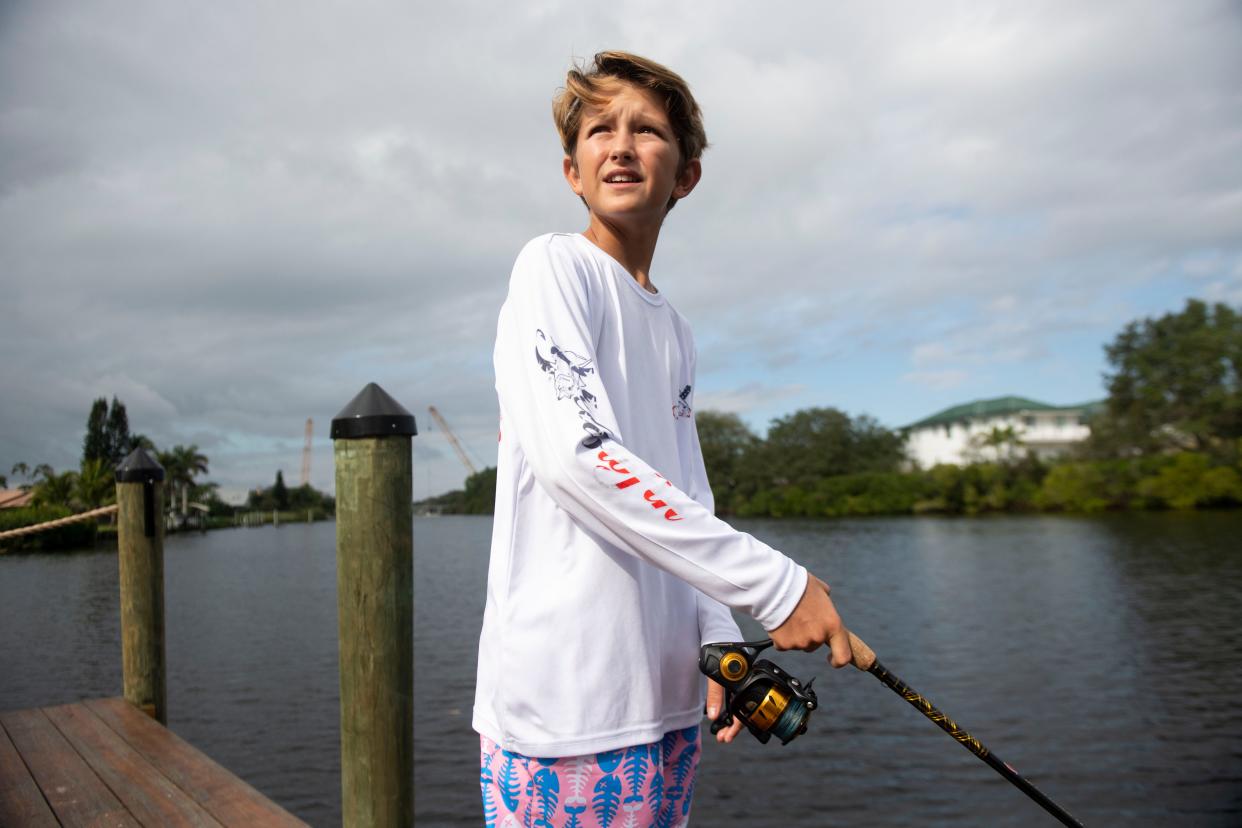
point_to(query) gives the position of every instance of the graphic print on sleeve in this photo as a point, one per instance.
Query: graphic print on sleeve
(681, 408)
(568, 372)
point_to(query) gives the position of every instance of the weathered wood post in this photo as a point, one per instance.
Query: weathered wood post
(375, 604)
(140, 548)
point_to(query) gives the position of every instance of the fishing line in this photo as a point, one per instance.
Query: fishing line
(770, 702)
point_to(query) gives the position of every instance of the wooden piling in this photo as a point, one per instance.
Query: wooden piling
(375, 604)
(140, 546)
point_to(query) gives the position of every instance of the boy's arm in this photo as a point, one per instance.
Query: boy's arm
(715, 621)
(551, 396)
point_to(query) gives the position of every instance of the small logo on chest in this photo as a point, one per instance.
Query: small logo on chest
(681, 408)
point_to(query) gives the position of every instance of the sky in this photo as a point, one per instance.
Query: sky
(233, 216)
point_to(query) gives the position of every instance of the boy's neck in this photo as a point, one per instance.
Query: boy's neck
(633, 248)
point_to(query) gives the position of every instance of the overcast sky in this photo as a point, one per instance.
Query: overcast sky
(232, 216)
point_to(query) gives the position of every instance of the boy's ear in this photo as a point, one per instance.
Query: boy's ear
(688, 179)
(570, 169)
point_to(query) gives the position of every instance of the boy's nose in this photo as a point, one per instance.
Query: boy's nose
(622, 146)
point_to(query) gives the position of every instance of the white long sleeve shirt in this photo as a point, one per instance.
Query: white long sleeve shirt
(608, 568)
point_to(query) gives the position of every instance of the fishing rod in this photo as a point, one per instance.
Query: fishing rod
(770, 702)
(865, 660)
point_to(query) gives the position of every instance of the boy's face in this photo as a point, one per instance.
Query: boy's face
(626, 159)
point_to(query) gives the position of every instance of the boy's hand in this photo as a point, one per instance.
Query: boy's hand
(715, 702)
(814, 622)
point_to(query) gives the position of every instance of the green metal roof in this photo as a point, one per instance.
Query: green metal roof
(996, 407)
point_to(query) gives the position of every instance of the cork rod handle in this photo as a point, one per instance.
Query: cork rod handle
(864, 656)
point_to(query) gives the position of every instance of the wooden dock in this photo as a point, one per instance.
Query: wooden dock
(111, 763)
(105, 763)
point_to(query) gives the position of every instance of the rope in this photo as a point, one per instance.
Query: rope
(52, 524)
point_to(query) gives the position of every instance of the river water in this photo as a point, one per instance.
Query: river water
(1098, 656)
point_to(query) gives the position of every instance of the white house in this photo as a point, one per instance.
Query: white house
(979, 430)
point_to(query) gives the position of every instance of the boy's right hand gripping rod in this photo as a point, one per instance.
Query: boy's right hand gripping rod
(865, 660)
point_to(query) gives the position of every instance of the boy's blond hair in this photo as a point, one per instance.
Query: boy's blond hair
(589, 85)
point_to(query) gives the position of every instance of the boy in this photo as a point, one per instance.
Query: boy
(608, 569)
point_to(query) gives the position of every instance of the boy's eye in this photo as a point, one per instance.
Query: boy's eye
(597, 128)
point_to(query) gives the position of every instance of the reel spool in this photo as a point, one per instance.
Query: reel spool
(769, 701)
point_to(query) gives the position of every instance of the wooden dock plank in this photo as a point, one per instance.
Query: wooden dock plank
(75, 793)
(21, 802)
(226, 797)
(151, 797)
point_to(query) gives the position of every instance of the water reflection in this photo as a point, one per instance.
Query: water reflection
(1099, 656)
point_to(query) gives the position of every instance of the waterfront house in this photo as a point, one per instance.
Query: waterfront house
(1003, 427)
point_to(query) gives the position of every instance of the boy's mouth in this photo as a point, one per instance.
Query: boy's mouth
(622, 177)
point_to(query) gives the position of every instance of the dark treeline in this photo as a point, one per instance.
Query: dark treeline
(1176, 479)
(1169, 436)
(478, 498)
(189, 501)
(280, 498)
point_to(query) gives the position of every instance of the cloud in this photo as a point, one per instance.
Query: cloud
(745, 398)
(233, 217)
(939, 380)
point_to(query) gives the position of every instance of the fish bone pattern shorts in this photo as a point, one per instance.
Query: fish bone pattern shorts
(645, 786)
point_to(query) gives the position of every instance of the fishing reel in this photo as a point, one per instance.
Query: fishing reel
(769, 701)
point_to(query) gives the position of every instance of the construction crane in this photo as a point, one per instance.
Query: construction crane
(448, 433)
(306, 451)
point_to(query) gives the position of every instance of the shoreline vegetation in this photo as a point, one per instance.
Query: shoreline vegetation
(189, 505)
(1168, 436)
(88, 534)
(1178, 481)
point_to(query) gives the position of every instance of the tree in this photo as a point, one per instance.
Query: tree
(181, 465)
(260, 500)
(298, 499)
(96, 483)
(280, 492)
(480, 492)
(1175, 382)
(1188, 480)
(725, 440)
(95, 445)
(998, 443)
(54, 489)
(117, 433)
(815, 443)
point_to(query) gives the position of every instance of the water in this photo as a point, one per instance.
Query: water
(1097, 656)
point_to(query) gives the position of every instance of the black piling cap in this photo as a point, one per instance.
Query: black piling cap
(139, 467)
(373, 414)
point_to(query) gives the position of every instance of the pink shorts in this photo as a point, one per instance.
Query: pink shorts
(644, 786)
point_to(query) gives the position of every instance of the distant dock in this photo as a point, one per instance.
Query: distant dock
(105, 762)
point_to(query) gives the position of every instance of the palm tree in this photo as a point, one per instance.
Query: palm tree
(181, 466)
(54, 489)
(141, 441)
(23, 470)
(1002, 441)
(96, 483)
